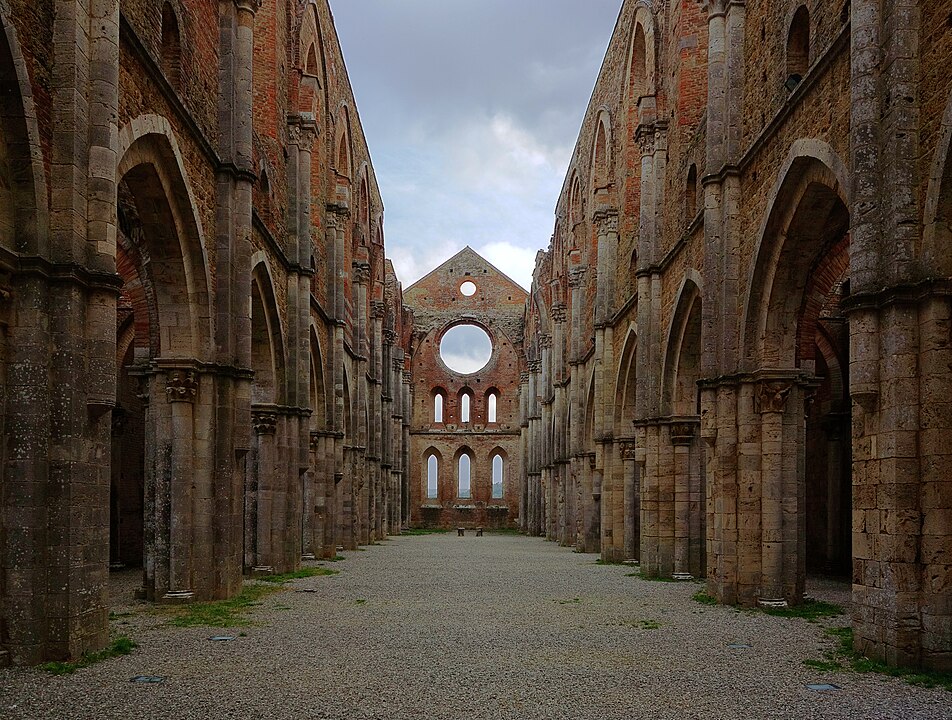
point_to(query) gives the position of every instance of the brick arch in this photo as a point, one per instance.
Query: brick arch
(309, 83)
(162, 222)
(267, 337)
(807, 211)
(26, 208)
(682, 349)
(343, 147)
(823, 291)
(936, 255)
(642, 65)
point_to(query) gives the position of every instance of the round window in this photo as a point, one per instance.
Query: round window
(466, 349)
(468, 288)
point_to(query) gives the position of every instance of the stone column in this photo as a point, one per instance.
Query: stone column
(632, 501)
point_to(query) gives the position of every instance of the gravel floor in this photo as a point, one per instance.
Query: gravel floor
(493, 627)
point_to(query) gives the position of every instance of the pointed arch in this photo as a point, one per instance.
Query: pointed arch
(937, 218)
(157, 211)
(641, 57)
(267, 338)
(682, 350)
(602, 158)
(24, 226)
(809, 201)
(318, 394)
(311, 64)
(464, 473)
(626, 382)
(432, 464)
(343, 149)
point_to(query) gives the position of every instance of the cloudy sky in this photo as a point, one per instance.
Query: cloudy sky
(471, 109)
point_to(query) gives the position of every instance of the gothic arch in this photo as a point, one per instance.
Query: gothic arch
(25, 209)
(812, 187)
(311, 62)
(161, 214)
(936, 253)
(602, 156)
(683, 343)
(626, 383)
(318, 393)
(641, 70)
(267, 337)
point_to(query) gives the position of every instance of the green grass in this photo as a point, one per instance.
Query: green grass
(360, 601)
(703, 598)
(336, 558)
(649, 624)
(573, 601)
(424, 531)
(298, 575)
(843, 657)
(811, 610)
(221, 613)
(122, 645)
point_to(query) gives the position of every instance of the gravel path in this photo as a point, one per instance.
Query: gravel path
(493, 627)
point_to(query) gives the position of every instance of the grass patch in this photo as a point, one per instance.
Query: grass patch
(336, 558)
(703, 598)
(360, 601)
(844, 657)
(649, 624)
(424, 531)
(298, 575)
(221, 613)
(122, 645)
(573, 601)
(811, 610)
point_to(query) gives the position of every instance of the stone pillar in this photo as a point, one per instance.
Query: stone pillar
(632, 501)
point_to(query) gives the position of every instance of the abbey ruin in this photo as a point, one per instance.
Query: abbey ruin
(734, 363)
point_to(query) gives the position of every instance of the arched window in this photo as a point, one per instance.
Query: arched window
(310, 66)
(638, 79)
(438, 407)
(798, 47)
(690, 195)
(171, 46)
(432, 477)
(464, 404)
(498, 479)
(464, 479)
(491, 407)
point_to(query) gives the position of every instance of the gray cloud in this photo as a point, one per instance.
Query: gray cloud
(471, 109)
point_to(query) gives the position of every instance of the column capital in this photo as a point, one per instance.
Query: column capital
(181, 386)
(772, 396)
(362, 272)
(559, 312)
(577, 276)
(264, 422)
(378, 308)
(606, 220)
(248, 6)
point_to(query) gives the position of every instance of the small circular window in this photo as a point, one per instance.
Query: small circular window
(466, 349)
(468, 288)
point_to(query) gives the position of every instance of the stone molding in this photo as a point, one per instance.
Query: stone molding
(772, 396)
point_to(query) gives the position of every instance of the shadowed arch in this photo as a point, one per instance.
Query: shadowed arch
(682, 350)
(808, 206)
(24, 221)
(267, 338)
(318, 394)
(936, 255)
(157, 214)
(626, 383)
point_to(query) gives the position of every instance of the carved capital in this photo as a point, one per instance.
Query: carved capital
(407, 377)
(315, 441)
(545, 341)
(683, 433)
(772, 396)
(263, 422)
(646, 140)
(249, 6)
(577, 276)
(378, 309)
(628, 451)
(361, 272)
(535, 366)
(559, 312)
(182, 386)
(606, 221)
(523, 377)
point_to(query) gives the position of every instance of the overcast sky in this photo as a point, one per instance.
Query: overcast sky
(471, 109)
